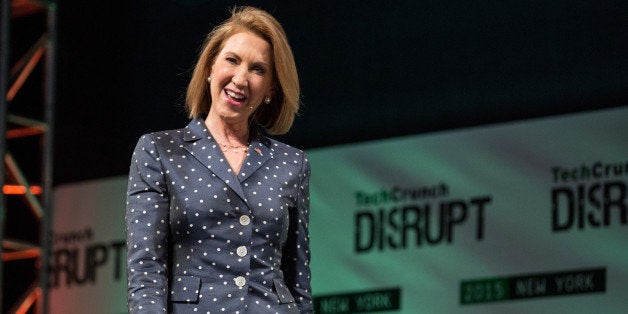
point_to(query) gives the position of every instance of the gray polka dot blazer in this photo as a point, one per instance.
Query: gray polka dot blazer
(202, 239)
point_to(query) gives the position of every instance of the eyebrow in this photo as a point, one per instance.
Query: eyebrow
(262, 63)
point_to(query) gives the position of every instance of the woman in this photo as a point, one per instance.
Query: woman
(217, 213)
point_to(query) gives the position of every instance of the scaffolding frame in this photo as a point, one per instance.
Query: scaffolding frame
(35, 298)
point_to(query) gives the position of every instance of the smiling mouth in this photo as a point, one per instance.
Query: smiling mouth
(235, 96)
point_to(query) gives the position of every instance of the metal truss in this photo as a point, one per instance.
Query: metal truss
(19, 177)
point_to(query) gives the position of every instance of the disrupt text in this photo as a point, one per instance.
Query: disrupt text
(415, 224)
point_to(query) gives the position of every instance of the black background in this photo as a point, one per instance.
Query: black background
(368, 69)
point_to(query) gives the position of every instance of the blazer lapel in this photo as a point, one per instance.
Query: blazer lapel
(200, 144)
(259, 153)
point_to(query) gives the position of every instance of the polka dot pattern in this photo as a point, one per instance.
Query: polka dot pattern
(201, 238)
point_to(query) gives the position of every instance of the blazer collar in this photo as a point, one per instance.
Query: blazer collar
(196, 130)
(202, 145)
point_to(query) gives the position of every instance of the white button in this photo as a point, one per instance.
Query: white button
(239, 281)
(241, 251)
(245, 220)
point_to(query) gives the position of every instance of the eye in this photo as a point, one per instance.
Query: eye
(259, 70)
(231, 60)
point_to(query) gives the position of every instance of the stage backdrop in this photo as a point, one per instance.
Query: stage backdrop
(88, 263)
(526, 217)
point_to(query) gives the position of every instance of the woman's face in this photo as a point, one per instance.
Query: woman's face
(241, 77)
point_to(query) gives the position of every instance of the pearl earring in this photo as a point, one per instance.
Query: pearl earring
(267, 100)
(209, 79)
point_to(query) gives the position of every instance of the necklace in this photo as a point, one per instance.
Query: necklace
(233, 148)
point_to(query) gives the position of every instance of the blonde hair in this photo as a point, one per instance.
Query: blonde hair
(277, 116)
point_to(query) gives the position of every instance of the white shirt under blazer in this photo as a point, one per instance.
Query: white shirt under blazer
(202, 239)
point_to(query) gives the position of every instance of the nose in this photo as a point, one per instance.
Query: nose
(239, 78)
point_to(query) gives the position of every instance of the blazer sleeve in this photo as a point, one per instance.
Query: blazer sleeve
(147, 228)
(296, 254)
